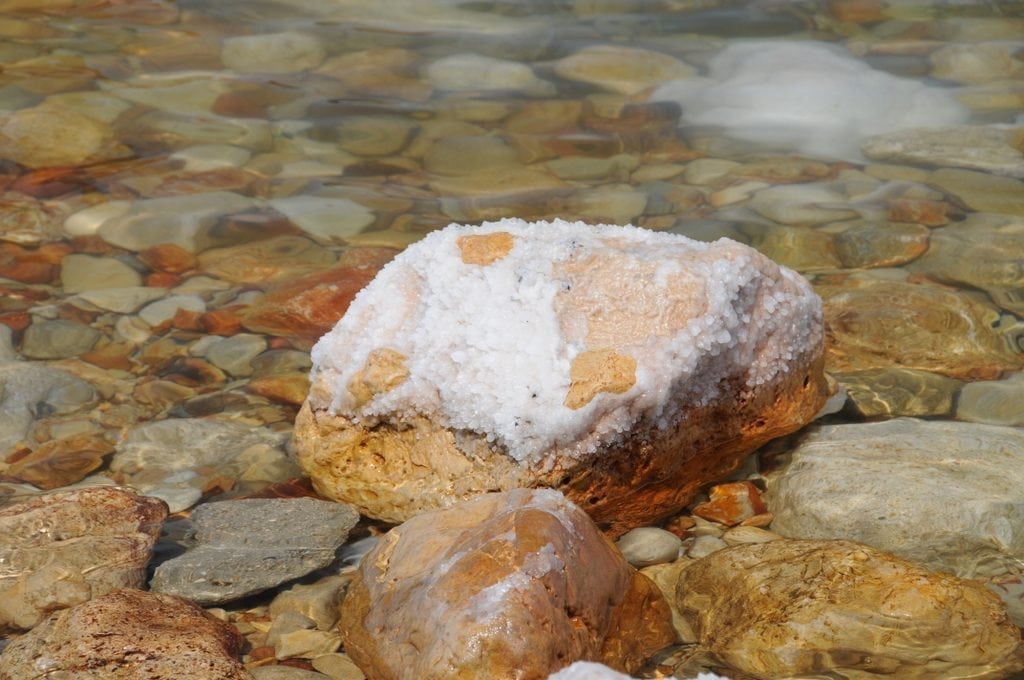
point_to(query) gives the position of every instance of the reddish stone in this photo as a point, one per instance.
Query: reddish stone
(261, 653)
(186, 320)
(192, 372)
(51, 182)
(857, 11)
(16, 321)
(61, 462)
(290, 388)
(298, 487)
(920, 211)
(162, 280)
(221, 321)
(113, 356)
(91, 244)
(732, 503)
(29, 272)
(168, 257)
(223, 179)
(305, 308)
(680, 525)
(279, 343)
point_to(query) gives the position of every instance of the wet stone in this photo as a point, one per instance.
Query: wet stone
(160, 458)
(374, 135)
(52, 135)
(88, 272)
(645, 546)
(474, 72)
(989, 149)
(278, 672)
(266, 261)
(318, 601)
(622, 70)
(64, 548)
(808, 608)
(286, 52)
(800, 248)
(801, 204)
(248, 546)
(28, 221)
(125, 635)
(468, 154)
(981, 191)
(899, 392)
(327, 219)
(998, 402)
(121, 300)
(880, 245)
(235, 354)
(30, 391)
(979, 62)
(58, 339)
(156, 313)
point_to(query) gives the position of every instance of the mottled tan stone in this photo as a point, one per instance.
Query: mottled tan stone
(64, 548)
(483, 249)
(802, 608)
(127, 635)
(385, 369)
(509, 585)
(599, 370)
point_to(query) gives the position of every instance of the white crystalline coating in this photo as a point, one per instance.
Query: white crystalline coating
(489, 347)
(812, 97)
(588, 670)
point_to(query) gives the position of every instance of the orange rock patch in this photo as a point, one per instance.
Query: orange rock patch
(484, 249)
(385, 370)
(596, 371)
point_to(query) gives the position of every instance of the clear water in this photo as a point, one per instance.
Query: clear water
(366, 109)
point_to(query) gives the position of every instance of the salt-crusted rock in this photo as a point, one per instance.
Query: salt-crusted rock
(506, 585)
(626, 368)
(127, 635)
(804, 608)
(62, 549)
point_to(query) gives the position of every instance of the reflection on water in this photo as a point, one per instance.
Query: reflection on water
(193, 192)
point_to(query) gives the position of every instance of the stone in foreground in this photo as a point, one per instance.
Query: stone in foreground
(64, 548)
(506, 585)
(127, 635)
(250, 545)
(804, 608)
(624, 367)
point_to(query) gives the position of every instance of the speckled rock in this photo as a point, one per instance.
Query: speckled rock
(127, 635)
(799, 608)
(251, 545)
(947, 495)
(61, 549)
(499, 419)
(514, 584)
(884, 323)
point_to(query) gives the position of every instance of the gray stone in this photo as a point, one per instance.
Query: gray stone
(235, 354)
(317, 601)
(58, 339)
(29, 391)
(975, 147)
(160, 457)
(181, 220)
(7, 351)
(327, 219)
(947, 495)
(120, 300)
(286, 673)
(155, 313)
(281, 361)
(645, 546)
(248, 546)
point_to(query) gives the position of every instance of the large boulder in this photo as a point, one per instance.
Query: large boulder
(127, 635)
(61, 549)
(810, 608)
(623, 367)
(506, 585)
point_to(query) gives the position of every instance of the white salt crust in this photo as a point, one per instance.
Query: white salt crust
(810, 96)
(489, 347)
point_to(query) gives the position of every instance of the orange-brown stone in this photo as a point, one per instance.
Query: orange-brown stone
(732, 503)
(483, 249)
(596, 371)
(384, 370)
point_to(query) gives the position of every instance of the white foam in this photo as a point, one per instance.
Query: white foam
(807, 96)
(489, 347)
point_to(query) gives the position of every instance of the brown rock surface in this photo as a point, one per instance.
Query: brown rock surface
(508, 585)
(64, 548)
(801, 608)
(127, 635)
(684, 376)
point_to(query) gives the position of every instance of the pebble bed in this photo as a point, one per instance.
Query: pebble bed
(191, 194)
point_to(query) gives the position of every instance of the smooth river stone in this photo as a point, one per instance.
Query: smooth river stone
(286, 52)
(128, 635)
(879, 323)
(999, 402)
(802, 204)
(514, 584)
(535, 355)
(624, 70)
(159, 457)
(975, 147)
(58, 550)
(181, 220)
(982, 251)
(247, 546)
(874, 244)
(87, 272)
(266, 261)
(948, 495)
(51, 135)
(981, 191)
(58, 339)
(31, 391)
(810, 608)
(325, 218)
(899, 392)
(474, 72)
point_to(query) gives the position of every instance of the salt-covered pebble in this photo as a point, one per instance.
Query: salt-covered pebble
(645, 546)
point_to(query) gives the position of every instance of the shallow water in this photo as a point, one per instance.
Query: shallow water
(270, 141)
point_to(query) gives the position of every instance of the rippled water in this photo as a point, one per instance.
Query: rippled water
(272, 141)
